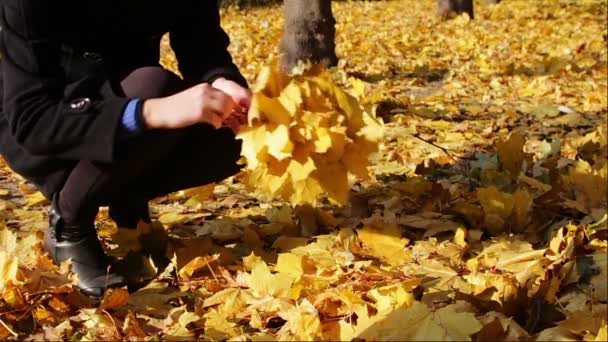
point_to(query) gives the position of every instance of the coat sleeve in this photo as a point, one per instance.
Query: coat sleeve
(39, 116)
(201, 45)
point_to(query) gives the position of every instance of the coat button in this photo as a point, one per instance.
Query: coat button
(92, 56)
(80, 104)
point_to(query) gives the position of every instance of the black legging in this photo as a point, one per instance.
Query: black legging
(156, 163)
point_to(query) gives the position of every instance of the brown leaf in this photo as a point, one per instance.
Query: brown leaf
(131, 327)
(114, 298)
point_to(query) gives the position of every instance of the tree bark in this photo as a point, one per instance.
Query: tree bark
(309, 33)
(446, 7)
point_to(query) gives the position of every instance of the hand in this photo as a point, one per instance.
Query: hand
(199, 104)
(240, 95)
(235, 121)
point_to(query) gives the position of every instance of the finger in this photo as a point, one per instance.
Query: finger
(241, 96)
(221, 104)
(214, 119)
(234, 117)
(233, 124)
(244, 99)
(243, 121)
(241, 117)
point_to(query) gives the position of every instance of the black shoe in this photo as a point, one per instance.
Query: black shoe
(79, 242)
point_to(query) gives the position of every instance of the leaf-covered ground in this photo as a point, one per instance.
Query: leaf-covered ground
(485, 218)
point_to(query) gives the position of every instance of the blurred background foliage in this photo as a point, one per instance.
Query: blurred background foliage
(248, 3)
(253, 3)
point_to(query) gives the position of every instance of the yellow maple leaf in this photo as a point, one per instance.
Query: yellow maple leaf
(128, 239)
(173, 218)
(588, 185)
(355, 156)
(217, 327)
(251, 261)
(178, 321)
(263, 282)
(198, 195)
(14, 256)
(270, 109)
(511, 154)
(497, 207)
(521, 210)
(333, 179)
(291, 98)
(602, 334)
(37, 198)
(12, 295)
(302, 322)
(95, 319)
(229, 301)
(278, 142)
(505, 210)
(290, 264)
(385, 242)
(45, 316)
(517, 257)
(301, 171)
(390, 297)
(196, 264)
(418, 323)
(358, 86)
(305, 133)
(270, 83)
(254, 145)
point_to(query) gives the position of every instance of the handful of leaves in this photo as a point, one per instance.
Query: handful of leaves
(305, 135)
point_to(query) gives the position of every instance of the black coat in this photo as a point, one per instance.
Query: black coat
(55, 52)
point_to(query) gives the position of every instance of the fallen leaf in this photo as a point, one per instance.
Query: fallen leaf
(385, 242)
(114, 298)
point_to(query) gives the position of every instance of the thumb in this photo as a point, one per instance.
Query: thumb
(245, 98)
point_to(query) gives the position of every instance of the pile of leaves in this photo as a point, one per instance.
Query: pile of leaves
(305, 135)
(483, 216)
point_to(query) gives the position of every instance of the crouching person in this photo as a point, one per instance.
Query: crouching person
(89, 116)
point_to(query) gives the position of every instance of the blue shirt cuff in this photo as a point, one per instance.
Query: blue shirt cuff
(130, 119)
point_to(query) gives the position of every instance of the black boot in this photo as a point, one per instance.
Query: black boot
(137, 242)
(79, 242)
(128, 211)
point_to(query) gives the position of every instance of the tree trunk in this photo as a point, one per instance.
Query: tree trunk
(309, 33)
(446, 7)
